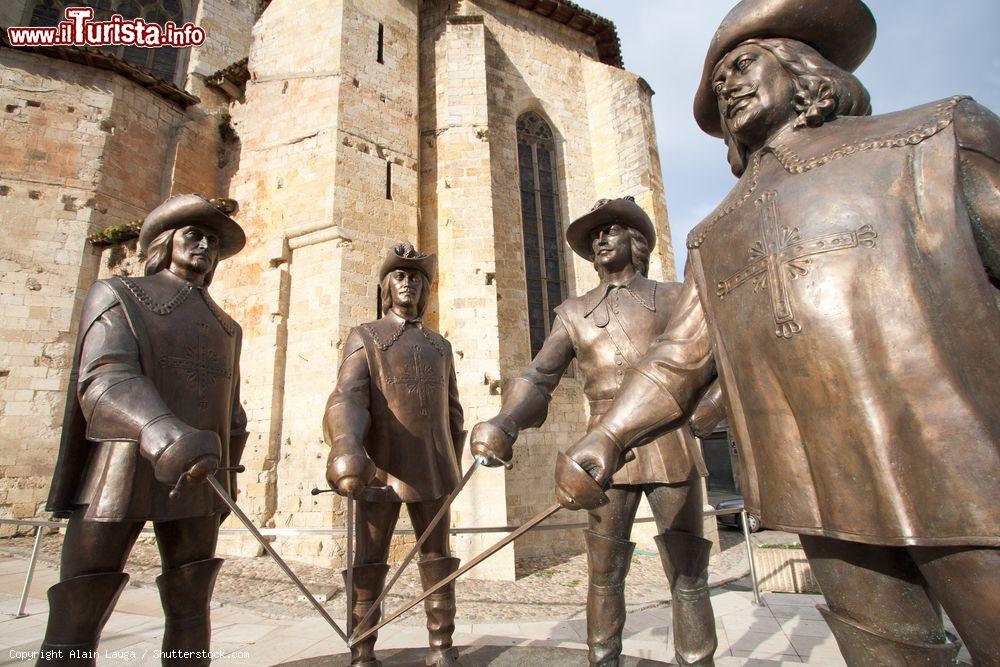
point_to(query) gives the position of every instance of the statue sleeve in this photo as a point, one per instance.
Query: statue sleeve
(348, 416)
(117, 400)
(456, 416)
(978, 133)
(526, 397)
(709, 411)
(663, 387)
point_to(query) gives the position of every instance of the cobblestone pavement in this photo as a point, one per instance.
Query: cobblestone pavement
(553, 588)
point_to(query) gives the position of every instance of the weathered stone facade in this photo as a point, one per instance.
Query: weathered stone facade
(85, 149)
(341, 98)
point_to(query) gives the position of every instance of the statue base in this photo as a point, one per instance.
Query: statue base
(478, 656)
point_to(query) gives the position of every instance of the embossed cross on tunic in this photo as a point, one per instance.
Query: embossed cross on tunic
(418, 378)
(201, 366)
(782, 254)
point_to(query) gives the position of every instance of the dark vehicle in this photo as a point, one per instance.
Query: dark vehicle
(733, 520)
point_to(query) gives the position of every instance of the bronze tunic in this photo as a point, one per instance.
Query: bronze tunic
(854, 328)
(396, 399)
(607, 330)
(171, 341)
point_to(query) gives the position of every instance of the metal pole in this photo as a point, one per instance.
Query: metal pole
(753, 568)
(31, 573)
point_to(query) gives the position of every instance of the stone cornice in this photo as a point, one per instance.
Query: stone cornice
(609, 48)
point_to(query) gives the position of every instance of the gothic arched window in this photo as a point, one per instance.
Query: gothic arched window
(540, 224)
(161, 62)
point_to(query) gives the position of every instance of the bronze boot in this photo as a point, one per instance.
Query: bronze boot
(186, 593)
(440, 610)
(368, 581)
(685, 562)
(862, 646)
(609, 560)
(78, 609)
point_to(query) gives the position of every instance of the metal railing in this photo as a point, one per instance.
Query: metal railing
(40, 524)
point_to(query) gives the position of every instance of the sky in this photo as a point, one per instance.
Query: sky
(925, 50)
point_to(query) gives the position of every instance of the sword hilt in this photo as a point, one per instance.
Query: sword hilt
(485, 460)
(183, 480)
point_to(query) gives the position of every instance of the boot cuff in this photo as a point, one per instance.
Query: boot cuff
(84, 604)
(683, 554)
(609, 559)
(434, 570)
(185, 591)
(861, 644)
(368, 580)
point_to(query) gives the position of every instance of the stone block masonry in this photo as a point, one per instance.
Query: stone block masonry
(85, 149)
(362, 123)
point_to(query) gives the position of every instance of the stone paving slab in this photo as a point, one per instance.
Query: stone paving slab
(243, 638)
(487, 656)
(784, 631)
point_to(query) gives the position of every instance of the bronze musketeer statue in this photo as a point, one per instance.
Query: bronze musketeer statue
(153, 404)
(395, 429)
(607, 330)
(845, 292)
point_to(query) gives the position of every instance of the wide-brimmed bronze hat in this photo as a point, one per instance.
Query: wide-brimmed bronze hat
(842, 31)
(183, 210)
(405, 256)
(624, 211)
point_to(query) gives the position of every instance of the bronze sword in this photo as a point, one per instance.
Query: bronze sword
(349, 556)
(349, 579)
(224, 495)
(531, 523)
(423, 538)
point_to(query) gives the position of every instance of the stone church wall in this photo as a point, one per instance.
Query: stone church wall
(482, 69)
(307, 151)
(53, 197)
(85, 150)
(322, 125)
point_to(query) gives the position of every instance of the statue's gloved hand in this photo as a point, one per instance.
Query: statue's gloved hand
(199, 471)
(350, 474)
(203, 468)
(175, 448)
(492, 445)
(599, 456)
(709, 412)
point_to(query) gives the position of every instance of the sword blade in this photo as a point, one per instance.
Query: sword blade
(416, 547)
(224, 495)
(531, 523)
(350, 563)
